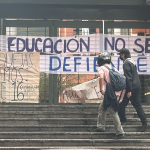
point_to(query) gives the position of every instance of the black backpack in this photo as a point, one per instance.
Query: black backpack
(118, 81)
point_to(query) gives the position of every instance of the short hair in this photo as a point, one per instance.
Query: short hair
(126, 52)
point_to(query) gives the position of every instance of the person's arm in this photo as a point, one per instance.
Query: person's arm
(101, 83)
(128, 75)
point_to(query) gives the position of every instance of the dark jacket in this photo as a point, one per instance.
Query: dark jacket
(131, 74)
(110, 98)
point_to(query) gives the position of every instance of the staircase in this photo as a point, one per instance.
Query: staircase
(39, 127)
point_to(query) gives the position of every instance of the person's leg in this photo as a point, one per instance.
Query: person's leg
(102, 113)
(121, 110)
(135, 101)
(116, 121)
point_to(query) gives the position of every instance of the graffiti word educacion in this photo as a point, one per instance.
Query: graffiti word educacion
(47, 45)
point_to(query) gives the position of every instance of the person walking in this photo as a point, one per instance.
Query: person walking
(109, 103)
(133, 88)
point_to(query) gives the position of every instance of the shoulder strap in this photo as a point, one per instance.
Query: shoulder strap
(104, 78)
(107, 67)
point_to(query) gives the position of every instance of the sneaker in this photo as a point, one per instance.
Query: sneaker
(123, 123)
(143, 128)
(99, 130)
(119, 136)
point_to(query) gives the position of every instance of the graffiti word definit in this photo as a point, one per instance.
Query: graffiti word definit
(66, 64)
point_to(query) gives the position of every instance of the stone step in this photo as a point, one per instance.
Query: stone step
(74, 142)
(62, 121)
(71, 135)
(58, 114)
(37, 127)
(87, 108)
(64, 128)
(77, 148)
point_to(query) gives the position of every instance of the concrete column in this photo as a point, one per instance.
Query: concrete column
(55, 76)
(3, 27)
(51, 87)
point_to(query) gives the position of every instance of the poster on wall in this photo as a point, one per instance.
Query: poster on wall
(19, 77)
(93, 43)
(58, 64)
(24, 57)
(87, 92)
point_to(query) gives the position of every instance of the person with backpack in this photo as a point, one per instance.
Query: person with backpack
(133, 88)
(110, 103)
